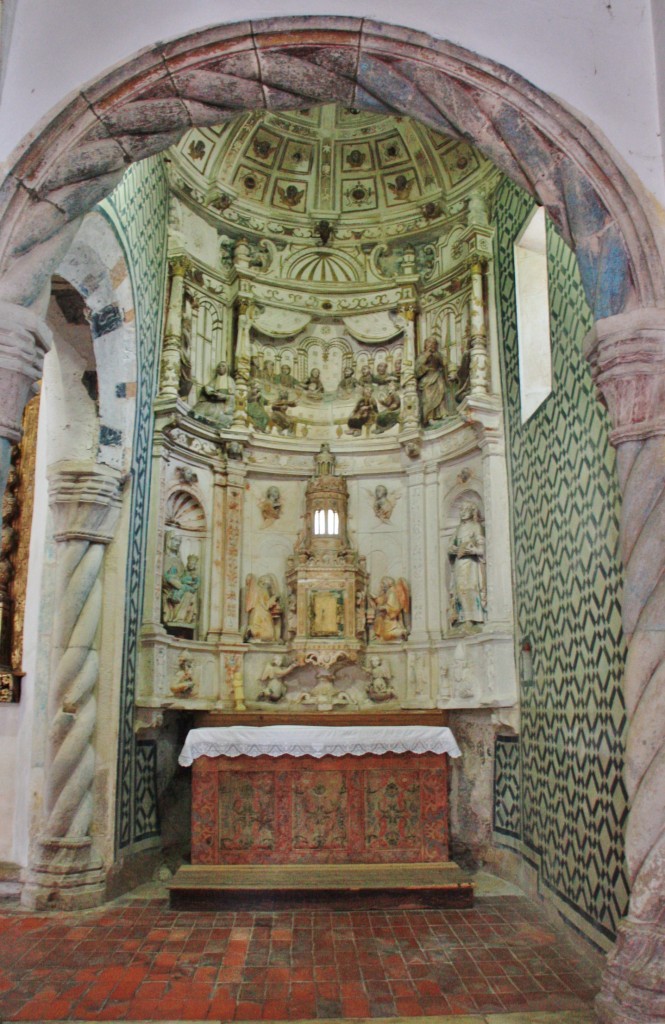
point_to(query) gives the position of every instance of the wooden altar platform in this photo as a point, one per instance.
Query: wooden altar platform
(307, 886)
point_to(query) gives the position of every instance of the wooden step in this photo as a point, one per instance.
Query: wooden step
(338, 886)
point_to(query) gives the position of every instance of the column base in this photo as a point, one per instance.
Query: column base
(66, 874)
(633, 987)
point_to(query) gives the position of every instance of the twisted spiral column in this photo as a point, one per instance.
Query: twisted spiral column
(627, 355)
(66, 871)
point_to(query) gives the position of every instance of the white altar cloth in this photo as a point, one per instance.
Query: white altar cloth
(316, 741)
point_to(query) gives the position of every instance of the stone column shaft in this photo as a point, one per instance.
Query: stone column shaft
(479, 364)
(417, 555)
(85, 500)
(627, 356)
(216, 623)
(235, 496)
(170, 368)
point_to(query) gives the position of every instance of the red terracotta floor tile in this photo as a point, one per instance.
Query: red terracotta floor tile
(136, 959)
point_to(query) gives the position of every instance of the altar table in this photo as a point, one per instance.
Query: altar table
(297, 794)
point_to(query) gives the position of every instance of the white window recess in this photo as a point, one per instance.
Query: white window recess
(533, 314)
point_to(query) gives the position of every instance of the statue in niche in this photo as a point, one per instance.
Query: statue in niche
(437, 399)
(389, 415)
(274, 688)
(365, 377)
(216, 402)
(384, 503)
(468, 599)
(396, 375)
(348, 382)
(364, 412)
(271, 505)
(256, 407)
(263, 605)
(379, 689)
(174, 567)
(390, 608)
(180, 586)
(183, 685)
(278, 413)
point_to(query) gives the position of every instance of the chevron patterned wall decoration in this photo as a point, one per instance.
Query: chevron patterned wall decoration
(565, 774)
(137, 210)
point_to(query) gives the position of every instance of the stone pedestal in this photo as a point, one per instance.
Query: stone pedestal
(627, 356)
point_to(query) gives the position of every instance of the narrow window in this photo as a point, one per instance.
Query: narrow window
(533, 314)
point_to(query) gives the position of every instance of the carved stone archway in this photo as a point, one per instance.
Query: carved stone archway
(144, 106)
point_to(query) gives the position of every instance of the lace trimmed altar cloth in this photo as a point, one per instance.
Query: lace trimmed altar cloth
(316, 741)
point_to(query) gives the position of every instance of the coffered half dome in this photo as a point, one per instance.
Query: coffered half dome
(326, 172)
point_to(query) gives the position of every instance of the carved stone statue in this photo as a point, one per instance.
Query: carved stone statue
(365, 411)
(313, 384)
(274, 688)
(279, 416)
(174, 567)
(379, 689)
(390, 609)
(256, 407)
(263, 605)
(468, 602)
(216, 402)
(271, 505)
(183, 685)
(436, 396)
(389, 415)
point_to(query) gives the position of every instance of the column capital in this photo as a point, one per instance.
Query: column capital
(85, 499)
(24, 341)
(627, 358)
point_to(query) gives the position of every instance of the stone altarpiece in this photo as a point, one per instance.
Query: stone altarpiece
(329, 520)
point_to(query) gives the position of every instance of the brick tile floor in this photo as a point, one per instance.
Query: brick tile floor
(138, 960)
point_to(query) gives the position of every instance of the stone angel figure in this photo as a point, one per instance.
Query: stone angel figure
(380, 687)
(383, 502)
(390, 610)
(263, 605)
(273, 688)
